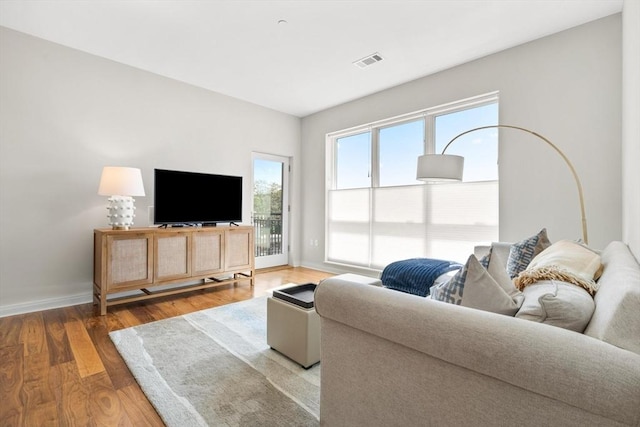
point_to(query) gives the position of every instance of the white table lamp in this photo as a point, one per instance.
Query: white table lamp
(120, 183)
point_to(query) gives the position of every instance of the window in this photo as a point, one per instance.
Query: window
(377, 212)
(353, 161)
(480, 148)
(399, 147)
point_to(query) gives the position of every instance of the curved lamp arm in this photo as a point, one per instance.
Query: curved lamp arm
(552, 145)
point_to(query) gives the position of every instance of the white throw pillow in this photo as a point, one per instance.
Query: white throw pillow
(564, 261)
(557, 303)
(571, 256)
(483, 289)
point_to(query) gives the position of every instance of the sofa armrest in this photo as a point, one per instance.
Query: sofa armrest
(558, 364)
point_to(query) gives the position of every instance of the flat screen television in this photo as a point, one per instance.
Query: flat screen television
(196, 198)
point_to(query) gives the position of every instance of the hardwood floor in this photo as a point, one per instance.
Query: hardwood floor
(59, 367)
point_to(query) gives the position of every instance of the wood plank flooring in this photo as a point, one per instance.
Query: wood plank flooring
(59, 367)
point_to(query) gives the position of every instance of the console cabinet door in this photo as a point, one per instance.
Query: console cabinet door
(172, 256)
(129, 261)
(239, 249)
(207, 253)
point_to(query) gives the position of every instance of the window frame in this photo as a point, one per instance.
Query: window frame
(429, 116)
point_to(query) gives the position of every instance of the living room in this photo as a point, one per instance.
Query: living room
(65, 114)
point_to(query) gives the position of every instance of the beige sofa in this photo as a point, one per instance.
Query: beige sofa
(394, 359)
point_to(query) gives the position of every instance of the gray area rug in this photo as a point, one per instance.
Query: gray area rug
(214, 368)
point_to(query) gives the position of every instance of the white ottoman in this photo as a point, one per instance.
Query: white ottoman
(293, 331)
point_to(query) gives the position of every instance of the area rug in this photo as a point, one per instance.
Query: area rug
(213, 367)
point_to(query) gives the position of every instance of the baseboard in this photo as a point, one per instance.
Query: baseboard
(45, 304)
(67, 301)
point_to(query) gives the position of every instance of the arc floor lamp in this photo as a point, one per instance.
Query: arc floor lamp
(449, 167)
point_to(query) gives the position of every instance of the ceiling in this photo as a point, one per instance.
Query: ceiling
(305, 64)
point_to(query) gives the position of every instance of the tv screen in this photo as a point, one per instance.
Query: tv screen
(196, 198)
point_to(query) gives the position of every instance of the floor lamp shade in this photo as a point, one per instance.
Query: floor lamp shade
(440, 167)
(121, 183)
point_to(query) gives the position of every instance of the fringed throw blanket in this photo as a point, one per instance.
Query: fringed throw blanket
(416, 275)
(552, 272)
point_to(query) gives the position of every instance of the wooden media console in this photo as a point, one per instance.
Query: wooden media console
(131, 261)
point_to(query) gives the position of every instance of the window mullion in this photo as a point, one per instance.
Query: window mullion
(375, 157)
(430, 134)
(375, 183)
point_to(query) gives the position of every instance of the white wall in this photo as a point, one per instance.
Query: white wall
(64, 115)
(631, 125)
(566, 86)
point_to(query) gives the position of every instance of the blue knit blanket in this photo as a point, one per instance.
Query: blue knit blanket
(415, 275)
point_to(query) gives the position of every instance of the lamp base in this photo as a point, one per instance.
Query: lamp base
(121, 212)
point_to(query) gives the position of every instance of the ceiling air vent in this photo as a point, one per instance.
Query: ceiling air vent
(368, 60)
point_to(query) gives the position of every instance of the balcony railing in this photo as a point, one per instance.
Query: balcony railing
(268, 234)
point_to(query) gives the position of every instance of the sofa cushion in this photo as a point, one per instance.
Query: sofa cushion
(558, 304)
(475, 286)
(521, 253)
(616, 319)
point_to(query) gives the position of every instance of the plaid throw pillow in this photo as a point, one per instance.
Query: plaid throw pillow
(521, 253)
(451, 291)
(483, 285)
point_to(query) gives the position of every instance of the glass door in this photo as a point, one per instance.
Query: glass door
(270, 213)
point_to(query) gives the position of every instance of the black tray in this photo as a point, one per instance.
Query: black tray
(301, 295)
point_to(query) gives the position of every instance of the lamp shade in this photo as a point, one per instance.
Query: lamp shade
(121, 181)
(440, 167)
